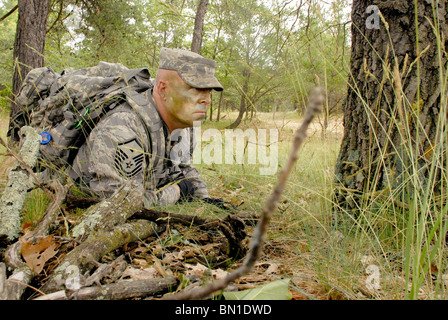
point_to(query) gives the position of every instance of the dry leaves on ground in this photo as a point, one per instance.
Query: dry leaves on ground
(36, 255)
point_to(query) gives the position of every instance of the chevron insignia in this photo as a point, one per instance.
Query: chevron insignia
(129, 158)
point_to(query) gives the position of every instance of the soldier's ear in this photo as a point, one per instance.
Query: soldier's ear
(161, 87)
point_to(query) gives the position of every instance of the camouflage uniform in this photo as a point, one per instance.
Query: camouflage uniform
(119, 147)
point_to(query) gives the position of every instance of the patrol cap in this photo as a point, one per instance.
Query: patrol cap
(194, 69)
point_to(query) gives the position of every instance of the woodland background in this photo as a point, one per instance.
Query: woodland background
(269, 54)
(363, 215)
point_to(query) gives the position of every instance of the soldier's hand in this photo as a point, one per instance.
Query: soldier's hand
(186, 190)
(220, 203)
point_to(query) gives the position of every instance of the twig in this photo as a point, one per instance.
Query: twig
(26, 285)
(316, 100)
(9, 13)
(232, 226)
(52, 212)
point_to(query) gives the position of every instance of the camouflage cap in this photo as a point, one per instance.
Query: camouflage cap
(194, 69)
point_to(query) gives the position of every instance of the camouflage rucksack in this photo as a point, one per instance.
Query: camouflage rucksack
(64, 108)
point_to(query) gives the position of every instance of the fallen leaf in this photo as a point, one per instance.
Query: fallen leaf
(298, 296)
(35, 255)
(219, 274)
(160, 269)
(245, 286)
(198, 269)
(142, 263)
(172, 257)
(140, 274)
(275, 290)
(26, 226)
(272, 269)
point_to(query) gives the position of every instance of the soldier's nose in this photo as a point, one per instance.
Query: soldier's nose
(206, 99)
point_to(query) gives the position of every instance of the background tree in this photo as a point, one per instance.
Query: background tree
(8, 26)
(261, 49)
(196, 43)
(395, 109)
(30, 38)
(253, 52)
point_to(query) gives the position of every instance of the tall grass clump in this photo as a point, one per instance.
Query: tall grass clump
(402, 223)
(398, 227)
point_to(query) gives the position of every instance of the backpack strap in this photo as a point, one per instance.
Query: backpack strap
(146, 110)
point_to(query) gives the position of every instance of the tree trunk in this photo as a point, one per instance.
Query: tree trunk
(29, 47)
(211, 108)
(218, 116)
(394, 100)
(199, 26)
(30, 38)
(243, 101)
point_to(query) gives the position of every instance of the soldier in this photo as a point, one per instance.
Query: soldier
(120, 146)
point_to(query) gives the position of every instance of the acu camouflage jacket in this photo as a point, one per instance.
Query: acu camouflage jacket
(119, 148)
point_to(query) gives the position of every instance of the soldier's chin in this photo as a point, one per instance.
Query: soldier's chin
(195, 121)
(199, 116)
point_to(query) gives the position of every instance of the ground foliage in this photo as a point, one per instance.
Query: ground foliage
(192, 254)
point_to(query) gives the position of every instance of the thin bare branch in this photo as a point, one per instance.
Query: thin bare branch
(9, 13)
(316, 101)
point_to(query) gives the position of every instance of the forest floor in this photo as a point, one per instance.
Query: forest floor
(301, 245)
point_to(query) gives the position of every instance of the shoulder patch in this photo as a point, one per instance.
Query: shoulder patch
(129, 158)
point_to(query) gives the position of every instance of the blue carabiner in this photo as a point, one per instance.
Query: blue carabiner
(46, 137)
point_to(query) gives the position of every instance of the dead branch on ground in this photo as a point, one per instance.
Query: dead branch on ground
(22, 275)
(231, 226)
(117, 291)
(98, 244)
(19, 181)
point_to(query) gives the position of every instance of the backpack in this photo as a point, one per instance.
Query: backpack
(64, 108)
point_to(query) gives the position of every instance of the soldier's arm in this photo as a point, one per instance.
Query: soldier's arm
(117, 153)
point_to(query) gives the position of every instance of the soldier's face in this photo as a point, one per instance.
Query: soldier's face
(186, 104)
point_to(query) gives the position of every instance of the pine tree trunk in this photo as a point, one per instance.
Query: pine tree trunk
(29, 48)
(218, 116)
(30, 38)
(243, 101)
(394, 99)
(199, 26)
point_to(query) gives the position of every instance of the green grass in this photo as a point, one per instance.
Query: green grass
(36, 201)
(324, 260)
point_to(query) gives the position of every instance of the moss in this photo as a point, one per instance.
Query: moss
(13, 197)
(89, 223)
(12, 202)
(30, 149)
